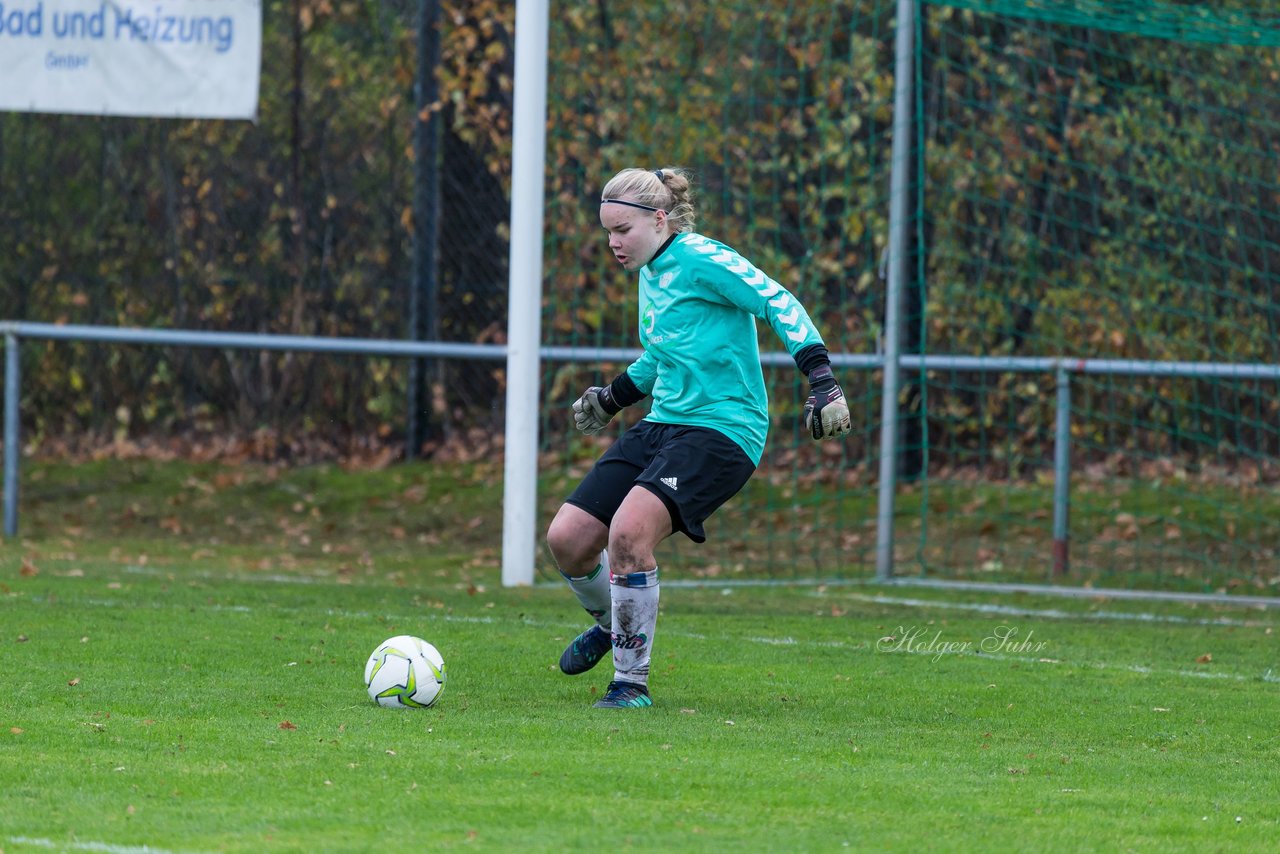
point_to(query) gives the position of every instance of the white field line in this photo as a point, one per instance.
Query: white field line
(878, 599)
(997, 656)
(106, 847)
(861, 646)
(155, 606)
(1101, 665)
(1051, 613)
(273, 577)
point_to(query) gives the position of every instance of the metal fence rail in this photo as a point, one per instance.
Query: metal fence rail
(1061, 368)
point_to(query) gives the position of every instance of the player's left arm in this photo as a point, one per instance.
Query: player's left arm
(826, 413)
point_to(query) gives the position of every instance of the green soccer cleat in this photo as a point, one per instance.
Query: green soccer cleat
(586, 651)
(624, 695)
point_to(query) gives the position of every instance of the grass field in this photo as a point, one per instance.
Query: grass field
(181, 651)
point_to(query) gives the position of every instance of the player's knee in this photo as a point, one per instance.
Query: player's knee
(629, 550)
(572, 547)
(560, 540)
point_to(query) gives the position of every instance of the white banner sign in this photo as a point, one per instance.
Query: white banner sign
(174, 58)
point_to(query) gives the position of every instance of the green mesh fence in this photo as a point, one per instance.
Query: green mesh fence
(782, 111)
(1098, 181)
(1089, 181)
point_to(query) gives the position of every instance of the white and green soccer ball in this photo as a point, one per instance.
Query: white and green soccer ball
(405, 672)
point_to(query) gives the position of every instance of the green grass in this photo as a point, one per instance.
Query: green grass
(218, 704)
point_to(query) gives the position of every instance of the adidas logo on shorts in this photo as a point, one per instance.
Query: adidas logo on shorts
(669, 482)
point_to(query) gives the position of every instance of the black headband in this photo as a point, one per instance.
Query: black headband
(661, 176)
(631, 205)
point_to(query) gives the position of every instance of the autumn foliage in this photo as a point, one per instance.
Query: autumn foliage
(1090, 192)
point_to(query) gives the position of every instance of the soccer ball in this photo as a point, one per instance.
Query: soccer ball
(405, 672)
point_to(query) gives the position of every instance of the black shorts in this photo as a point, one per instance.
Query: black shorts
(693, 470)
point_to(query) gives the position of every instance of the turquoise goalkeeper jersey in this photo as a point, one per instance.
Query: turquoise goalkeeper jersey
(699, 301)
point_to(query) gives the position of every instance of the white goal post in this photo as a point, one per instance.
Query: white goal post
(524, 307)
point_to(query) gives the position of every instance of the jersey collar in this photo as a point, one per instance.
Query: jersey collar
(662, 248)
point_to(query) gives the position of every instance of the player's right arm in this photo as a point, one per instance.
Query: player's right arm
(598, 404)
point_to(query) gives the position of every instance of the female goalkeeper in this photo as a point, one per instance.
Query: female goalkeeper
(705, 431)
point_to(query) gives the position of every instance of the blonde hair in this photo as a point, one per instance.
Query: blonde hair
(667, 189)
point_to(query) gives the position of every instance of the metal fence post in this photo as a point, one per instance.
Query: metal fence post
(424, 289)
(1061, 474)
(898, 212)
(12, 378)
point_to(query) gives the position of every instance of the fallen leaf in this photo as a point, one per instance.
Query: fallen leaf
(74, 682)
(287, 725)
(1204, 659)
(16, 730)
(29, 569)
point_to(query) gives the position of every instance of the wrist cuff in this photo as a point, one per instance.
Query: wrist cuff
(624, 391)
(821, 378)
(810, 357)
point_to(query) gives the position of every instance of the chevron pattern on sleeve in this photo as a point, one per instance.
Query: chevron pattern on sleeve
(778, 297)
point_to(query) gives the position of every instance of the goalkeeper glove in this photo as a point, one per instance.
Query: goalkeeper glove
(826, 415)
(592, 411)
